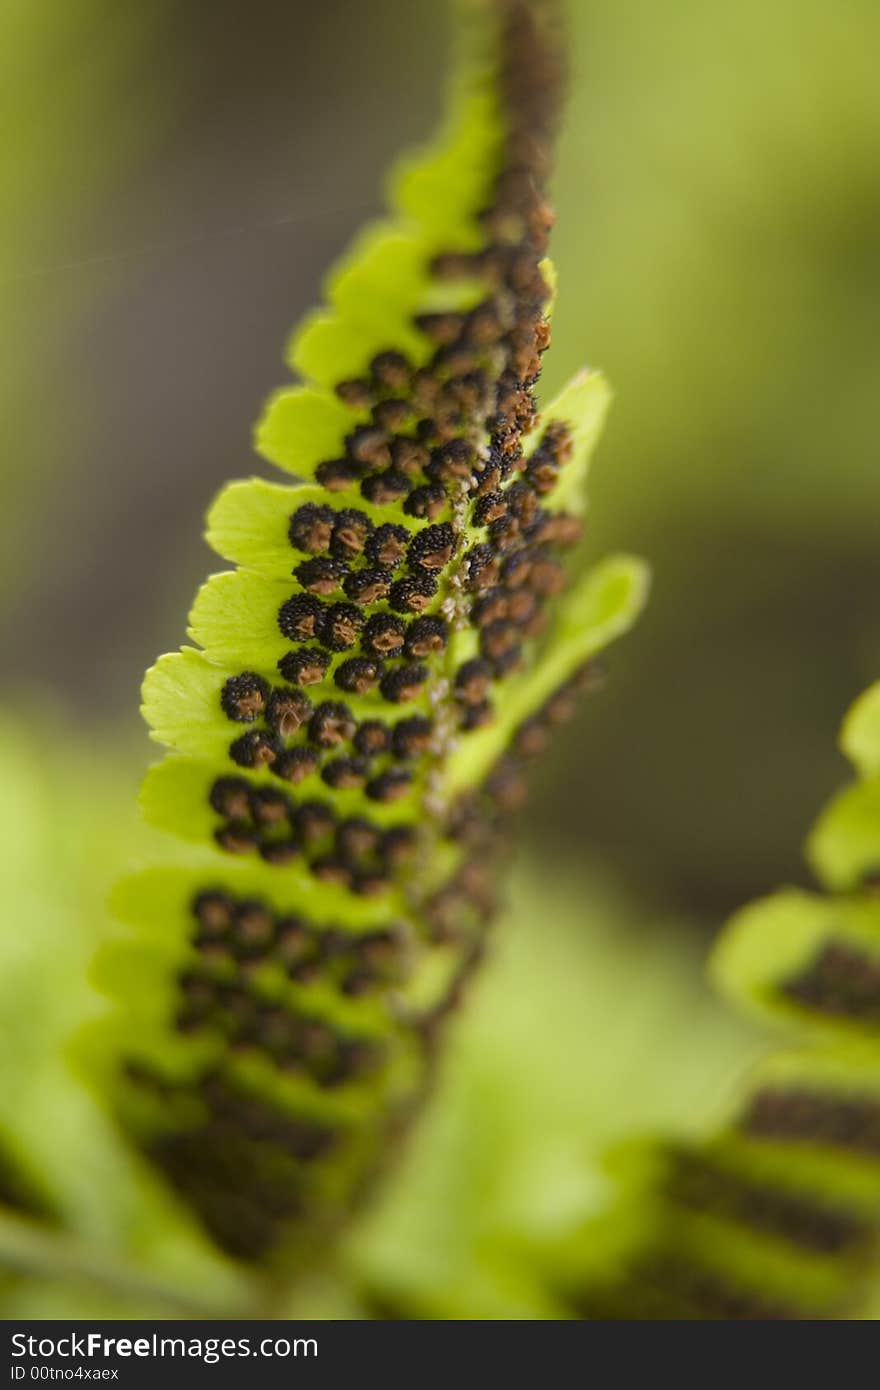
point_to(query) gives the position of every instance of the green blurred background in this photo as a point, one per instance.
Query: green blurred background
(173, 182)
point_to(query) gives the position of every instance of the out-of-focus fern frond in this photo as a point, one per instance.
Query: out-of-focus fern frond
(776, 1215)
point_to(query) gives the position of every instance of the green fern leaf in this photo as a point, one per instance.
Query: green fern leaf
(350, 730)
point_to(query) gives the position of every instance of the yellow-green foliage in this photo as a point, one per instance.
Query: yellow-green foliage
(353, 723)
(776, 1214)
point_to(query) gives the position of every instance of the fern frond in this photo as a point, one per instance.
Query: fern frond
(351, 729)
(777, 1215)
